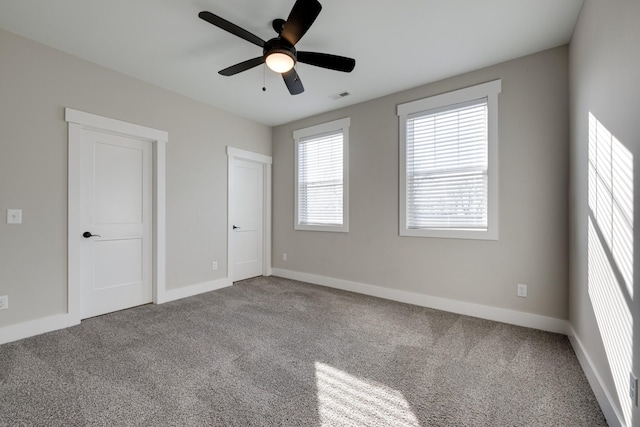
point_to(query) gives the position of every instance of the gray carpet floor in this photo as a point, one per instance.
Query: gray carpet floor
(276, 352)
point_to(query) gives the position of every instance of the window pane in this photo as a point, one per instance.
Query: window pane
(320, 180)
(447, 167)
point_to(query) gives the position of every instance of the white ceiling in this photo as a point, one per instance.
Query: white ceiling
(397, 44)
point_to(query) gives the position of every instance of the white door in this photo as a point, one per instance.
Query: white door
(246, 202)
(116, 217)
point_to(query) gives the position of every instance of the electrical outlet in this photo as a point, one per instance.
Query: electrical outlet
(4, 302)
(522, 290)
(633, 388)
(284, 257)
(214, 265)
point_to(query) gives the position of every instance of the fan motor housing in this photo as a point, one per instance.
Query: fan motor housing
(279, 45)
(278, 25)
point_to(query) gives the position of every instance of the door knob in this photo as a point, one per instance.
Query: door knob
(88, 234)
(234, 227)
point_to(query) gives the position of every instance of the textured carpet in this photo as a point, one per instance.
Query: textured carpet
(276, 352)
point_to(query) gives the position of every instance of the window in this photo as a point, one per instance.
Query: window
(449, 164)
(322, 177)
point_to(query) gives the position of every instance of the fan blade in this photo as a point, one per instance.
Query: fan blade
(302, 15)
(324, 60)
(243, 66)
(231, 27)
(292, 80)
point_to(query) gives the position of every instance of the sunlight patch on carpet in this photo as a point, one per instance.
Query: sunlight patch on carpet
(346, 400)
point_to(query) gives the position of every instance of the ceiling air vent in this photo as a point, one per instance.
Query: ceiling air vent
(339, 95)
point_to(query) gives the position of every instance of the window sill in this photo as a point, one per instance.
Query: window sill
(329, 228)
(451, 234)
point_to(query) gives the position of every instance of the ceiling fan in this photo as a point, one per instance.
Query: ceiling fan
(279, 53)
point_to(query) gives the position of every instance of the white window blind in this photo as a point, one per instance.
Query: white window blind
(449, 164)
(320, 179)
(447, 167)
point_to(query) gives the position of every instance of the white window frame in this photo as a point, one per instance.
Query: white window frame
(490, 91)
(300, 134)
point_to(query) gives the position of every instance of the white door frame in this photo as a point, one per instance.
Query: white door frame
(266, 162)
(78, 121)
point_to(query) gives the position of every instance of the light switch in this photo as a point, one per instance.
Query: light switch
(14, 216)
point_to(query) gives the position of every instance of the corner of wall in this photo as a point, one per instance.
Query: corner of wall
(609, 409)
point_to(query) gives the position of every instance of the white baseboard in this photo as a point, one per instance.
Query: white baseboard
(191, 290)
(513, 317)
(609, 409)
(36, 327)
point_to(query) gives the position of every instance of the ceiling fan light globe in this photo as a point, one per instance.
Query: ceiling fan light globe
(279, 62)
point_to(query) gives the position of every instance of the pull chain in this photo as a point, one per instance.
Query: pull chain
(264, 78)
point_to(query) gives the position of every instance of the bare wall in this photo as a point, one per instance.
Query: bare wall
(604, 64)
(532, 249)
(36, 84)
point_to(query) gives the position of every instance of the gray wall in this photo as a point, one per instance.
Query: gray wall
(36, 84)
(605, 81)
(532, 249)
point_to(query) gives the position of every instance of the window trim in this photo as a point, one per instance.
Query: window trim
(489, 90)
(317, 130)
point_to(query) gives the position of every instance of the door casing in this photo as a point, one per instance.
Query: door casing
(266, 162)
(78, 121)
